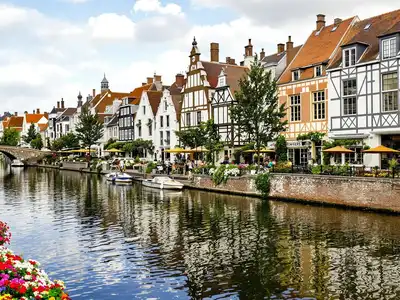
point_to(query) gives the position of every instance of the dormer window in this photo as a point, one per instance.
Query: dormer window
(367, 26)
(389, 48)
(221, 81)
(349, 57)
(296, 75)
(318, 71)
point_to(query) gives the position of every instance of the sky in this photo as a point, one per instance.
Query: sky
(52, 49)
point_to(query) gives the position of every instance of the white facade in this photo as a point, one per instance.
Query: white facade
(144, 122)
(166, 123)
(357, 106)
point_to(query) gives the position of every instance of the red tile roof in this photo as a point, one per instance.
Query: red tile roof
(318, 49)
(136, 94)
(154, 100)
(379, 26)
(234, 73)
(34, 118)
(14, 122)
(43, 127)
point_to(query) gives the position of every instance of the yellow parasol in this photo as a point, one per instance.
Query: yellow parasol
(338, 149)
(113, 150)
(179, 150)
(200, 149)
(264, 150)
(381, 150)
(82, 151)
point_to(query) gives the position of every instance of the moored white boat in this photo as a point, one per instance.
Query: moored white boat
(119, 177)
(163, 183)
(17, 163)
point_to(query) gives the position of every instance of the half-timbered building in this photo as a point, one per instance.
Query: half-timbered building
(303, 88)
(364, 88)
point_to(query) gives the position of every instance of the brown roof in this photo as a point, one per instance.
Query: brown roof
(136, 94)
(380, 25)
(34, 118)
(177, 101)
(107, 100)
(273, 58)
(15, 122)
(43, 127)
(154, 100)
(69, 111)
(103, 116)
(317, 49)
(233, 72)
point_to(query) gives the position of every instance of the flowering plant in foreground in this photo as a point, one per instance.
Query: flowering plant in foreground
(23, 279)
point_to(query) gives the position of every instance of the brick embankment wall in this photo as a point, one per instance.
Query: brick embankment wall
(370, 193)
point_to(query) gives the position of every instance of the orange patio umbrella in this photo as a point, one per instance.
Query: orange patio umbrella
(381, 150)
(338, 149)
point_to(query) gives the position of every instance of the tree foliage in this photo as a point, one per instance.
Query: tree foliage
(37, 142)
(192, 137)
(89, 128)
(138, 147)
(31, 135)
(10, 137)
(67, 141)
(281, 148)
(257, 112)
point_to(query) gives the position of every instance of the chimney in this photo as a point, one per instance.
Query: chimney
(262, 54)
(25, 112)
(58, 104)
(214, 52)
(289, 44)
(320, 21)
(248, 50)
(337, 21)
(15, 113)
(33, 111)
(180, 80)
(233, 61)
(149, 80)
(144, 83)
(157, 78)
(281, 48)
(62, 102)
(94, 93)
(37, 110)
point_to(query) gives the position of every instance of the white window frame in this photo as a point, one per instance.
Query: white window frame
(345, 97)
(319, 104)
(298, 75)
(394, 91)
(197, 117)
(296, 106)
(388, 42)
(348, 52)
(221, 81)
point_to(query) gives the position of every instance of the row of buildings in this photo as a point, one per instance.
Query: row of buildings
(343, 81)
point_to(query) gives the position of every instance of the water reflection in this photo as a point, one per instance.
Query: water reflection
(111, 241)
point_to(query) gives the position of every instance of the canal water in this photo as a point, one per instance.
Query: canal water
(129, 242)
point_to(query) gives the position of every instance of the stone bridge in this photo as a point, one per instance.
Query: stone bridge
(26, 155)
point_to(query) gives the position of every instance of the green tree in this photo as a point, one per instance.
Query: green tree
(138, 147)
(281, 148)
(31, 135)
(70, 140)
(257, 112)
(192, 137)
(37, 143)
(89, 128)
(10, 137)
(212, 140)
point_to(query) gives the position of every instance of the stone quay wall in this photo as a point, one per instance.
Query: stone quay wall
(74, 165)
(366, 193)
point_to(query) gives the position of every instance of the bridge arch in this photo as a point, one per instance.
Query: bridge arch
(22, 154)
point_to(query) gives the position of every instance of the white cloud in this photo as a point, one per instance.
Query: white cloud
(112, 26)
(156, 6)
(10, 15)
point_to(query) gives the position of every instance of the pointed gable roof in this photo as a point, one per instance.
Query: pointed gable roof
(318, 49)
(381, 25)
(233, 73)
(154, 100)
(136, 94)
(34, 118)
(15, 122)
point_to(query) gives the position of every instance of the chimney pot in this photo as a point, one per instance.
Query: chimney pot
(37, 110)
(157, 78)
(214, 52)
(289, 44)
(149, 80)
(262, 54)
(62, 102)
(320, 21)
(58, 104)
(94, 93)
(16, 113)
(33, 111)
(233, 61)
(180, 80)
(281, 48)
(337, 21)
(144, 83)
(248, 50)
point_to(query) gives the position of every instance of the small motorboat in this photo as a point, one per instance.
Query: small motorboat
(119, 177)
(163, 183)
(17, 163)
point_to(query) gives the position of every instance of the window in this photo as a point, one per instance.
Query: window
(319, 105)
(161, 138)
(168, 137)
(140, 130)
(296, 75)
(349, 97)
(390, 85)
(295, 108)
(161, 121)
(318, 71)
(165, 105)
(349, 57)
(221, 81)
(66, 128)
(167, 121)
(389, 48)
(198, 117)
(144, 110)
(367, 26)
(150, 130)
(188, 119)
